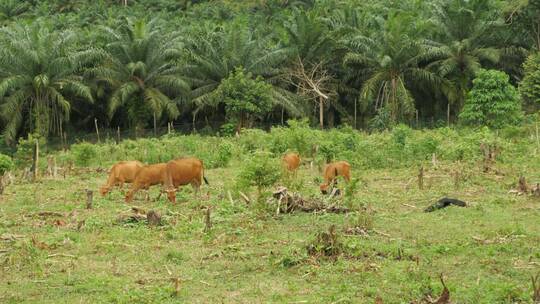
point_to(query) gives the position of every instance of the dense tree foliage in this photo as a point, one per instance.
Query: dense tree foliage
(492, 101)
(139, 63)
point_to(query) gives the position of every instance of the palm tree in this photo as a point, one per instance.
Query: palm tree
(462, 46)
(388, 63)
(141, 68)
(214, 53)
(40, 75)
(9, 9)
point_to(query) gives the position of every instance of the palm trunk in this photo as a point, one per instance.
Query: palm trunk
(355, 123)
(155, 125)
(448, 114)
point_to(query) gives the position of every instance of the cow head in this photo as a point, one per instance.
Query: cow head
(171, 195)
(103, 190)
(324, 188)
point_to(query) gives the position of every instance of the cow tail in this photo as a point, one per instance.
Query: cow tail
(204, 177)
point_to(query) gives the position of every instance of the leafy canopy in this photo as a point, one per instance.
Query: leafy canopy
(530, 85)
(244, 96)
(492, 102)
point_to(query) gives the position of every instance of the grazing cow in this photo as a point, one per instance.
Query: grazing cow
(183, 171)
(147, 176)
(291, 162)
(332, 171)
(121, 172)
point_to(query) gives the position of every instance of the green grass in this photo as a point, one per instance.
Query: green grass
(253, 256)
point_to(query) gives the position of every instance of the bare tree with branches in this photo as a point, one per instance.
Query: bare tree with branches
(312, 81)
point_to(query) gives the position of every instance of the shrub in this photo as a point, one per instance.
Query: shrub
(84, 153)
(529, 87)
(260, 171)
(492, 102)
(326, 244)
(400, 135)
(6, 164)
(223, 154)
(245, 97)
(227, 129)
(25, 150)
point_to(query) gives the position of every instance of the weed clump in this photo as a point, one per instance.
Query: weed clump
(326, 244)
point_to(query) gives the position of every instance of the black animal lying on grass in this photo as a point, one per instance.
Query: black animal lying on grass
(445, 202)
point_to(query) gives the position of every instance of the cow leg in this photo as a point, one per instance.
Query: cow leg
(159, 195)
(196, 187)
(147, 195)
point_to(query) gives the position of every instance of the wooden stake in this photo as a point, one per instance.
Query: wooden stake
(537, 137)
(118, 135)
(207, 220)
(230, 198)
(2, 184)
(97, 130)
(321, 112)
(421, 178)
(457, 179)
(35, 162)
(89, 198)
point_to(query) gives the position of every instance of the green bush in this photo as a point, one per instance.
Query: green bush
(400, 134)
(245, 97)
(492, 102)
(529, 87)
(84, 153)
(6, 164)
(25, 150)
(261, 171)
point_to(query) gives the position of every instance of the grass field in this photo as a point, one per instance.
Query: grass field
(487, 251)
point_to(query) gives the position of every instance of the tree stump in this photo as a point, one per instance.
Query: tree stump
(522, 185)
(536, 190)
(89, 198)
(51, 166)
(176, 286)
(153, 218)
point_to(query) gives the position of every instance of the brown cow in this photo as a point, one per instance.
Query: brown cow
(183, 171)
(291, 162)
(147, 176)
(332, 171)
(121, 172)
